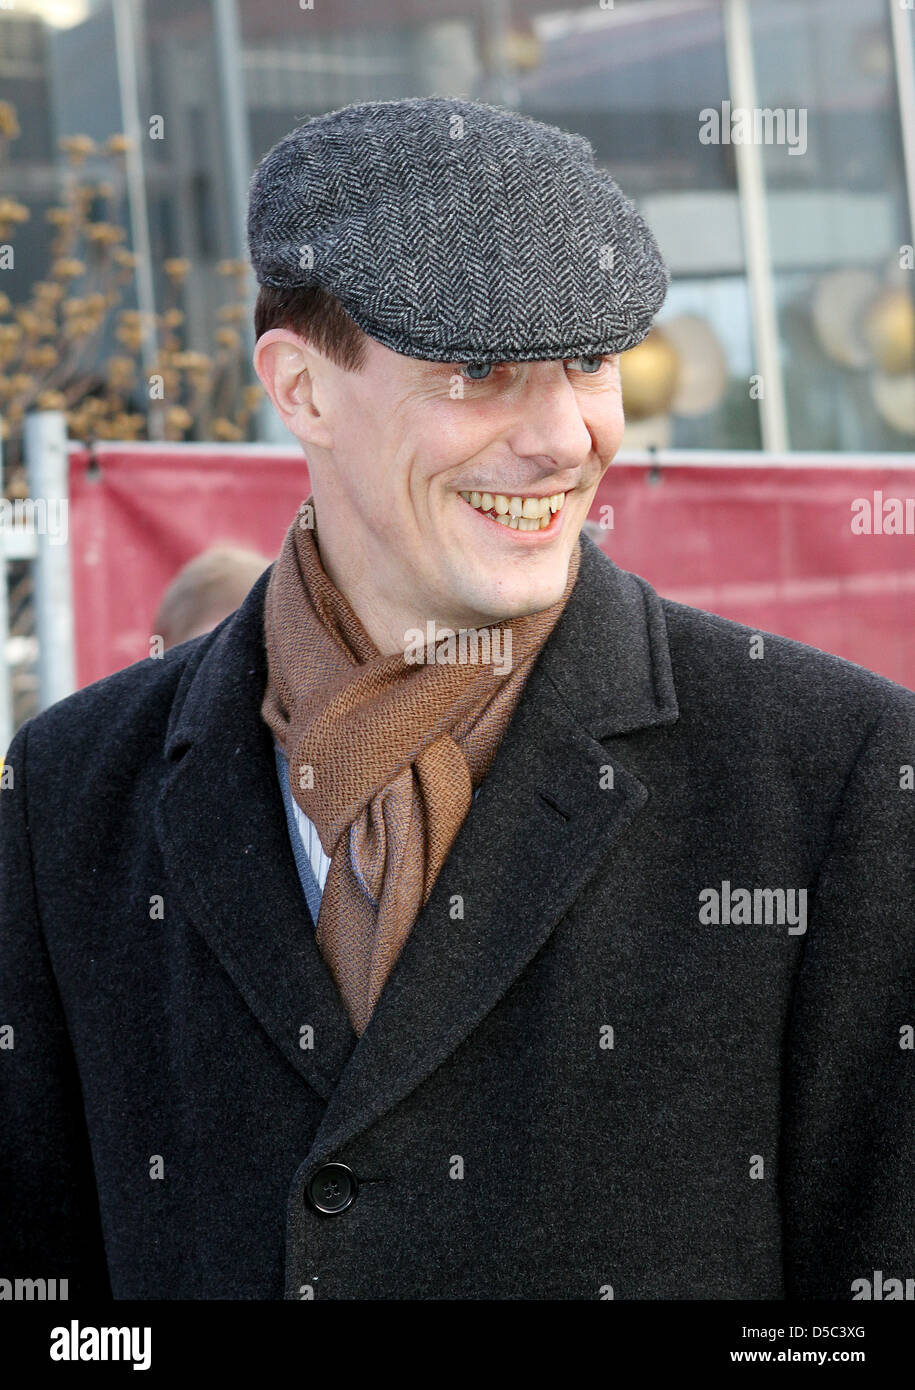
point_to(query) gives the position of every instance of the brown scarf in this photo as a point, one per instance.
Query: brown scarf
(384, 755)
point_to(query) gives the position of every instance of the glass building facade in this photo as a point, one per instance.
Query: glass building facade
(790, 322)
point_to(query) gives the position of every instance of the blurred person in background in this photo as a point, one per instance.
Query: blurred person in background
(205, 590)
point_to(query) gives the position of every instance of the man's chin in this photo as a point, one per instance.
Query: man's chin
(522, 600)
(497, 592)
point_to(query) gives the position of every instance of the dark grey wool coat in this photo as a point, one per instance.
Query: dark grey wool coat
(577, 1084)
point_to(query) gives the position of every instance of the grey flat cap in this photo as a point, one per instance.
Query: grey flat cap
(457, 231)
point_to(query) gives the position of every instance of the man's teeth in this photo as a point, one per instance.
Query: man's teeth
(520, 513)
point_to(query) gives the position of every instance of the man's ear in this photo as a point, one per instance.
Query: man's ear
(287, 367)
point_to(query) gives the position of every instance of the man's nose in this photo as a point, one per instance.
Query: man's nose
(550, 423)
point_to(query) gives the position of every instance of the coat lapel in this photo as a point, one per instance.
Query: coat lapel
(536, 833)
(222, 828)
(543, 820)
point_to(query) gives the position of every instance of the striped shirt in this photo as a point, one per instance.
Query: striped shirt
(310, 859)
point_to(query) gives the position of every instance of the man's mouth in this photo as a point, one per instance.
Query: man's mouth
(518, 513)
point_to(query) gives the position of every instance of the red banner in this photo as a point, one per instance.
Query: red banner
(822, 554)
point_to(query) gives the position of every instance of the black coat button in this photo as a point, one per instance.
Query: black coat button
(332, 1188)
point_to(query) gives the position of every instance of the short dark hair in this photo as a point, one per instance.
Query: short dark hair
(316, 314)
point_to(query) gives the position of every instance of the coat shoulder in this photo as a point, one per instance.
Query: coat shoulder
(118, 721)
(718, 661)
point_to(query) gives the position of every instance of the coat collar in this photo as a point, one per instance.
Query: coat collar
(605, 670)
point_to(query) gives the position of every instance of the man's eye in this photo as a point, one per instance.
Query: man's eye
(589, 364)
(477, 371)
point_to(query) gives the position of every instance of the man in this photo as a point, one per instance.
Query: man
(341, 965)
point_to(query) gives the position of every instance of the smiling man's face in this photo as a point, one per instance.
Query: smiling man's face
(395, 449)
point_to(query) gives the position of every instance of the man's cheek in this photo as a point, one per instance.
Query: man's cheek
(607, 432)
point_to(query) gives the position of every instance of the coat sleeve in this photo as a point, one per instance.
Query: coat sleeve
(49, 1218)
(848, 1144)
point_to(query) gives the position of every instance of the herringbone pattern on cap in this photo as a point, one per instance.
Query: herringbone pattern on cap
(455, 231)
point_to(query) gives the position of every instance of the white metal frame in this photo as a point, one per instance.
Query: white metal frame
(47, 471)
(667, 458)
(902, 26)
(16, 544)
(751, 190)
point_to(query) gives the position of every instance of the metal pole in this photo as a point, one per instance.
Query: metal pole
(125, 44)
(903, 31)
(46, 460)
(752, 195)
(236, 143)
(502, 82)
(6, 685)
